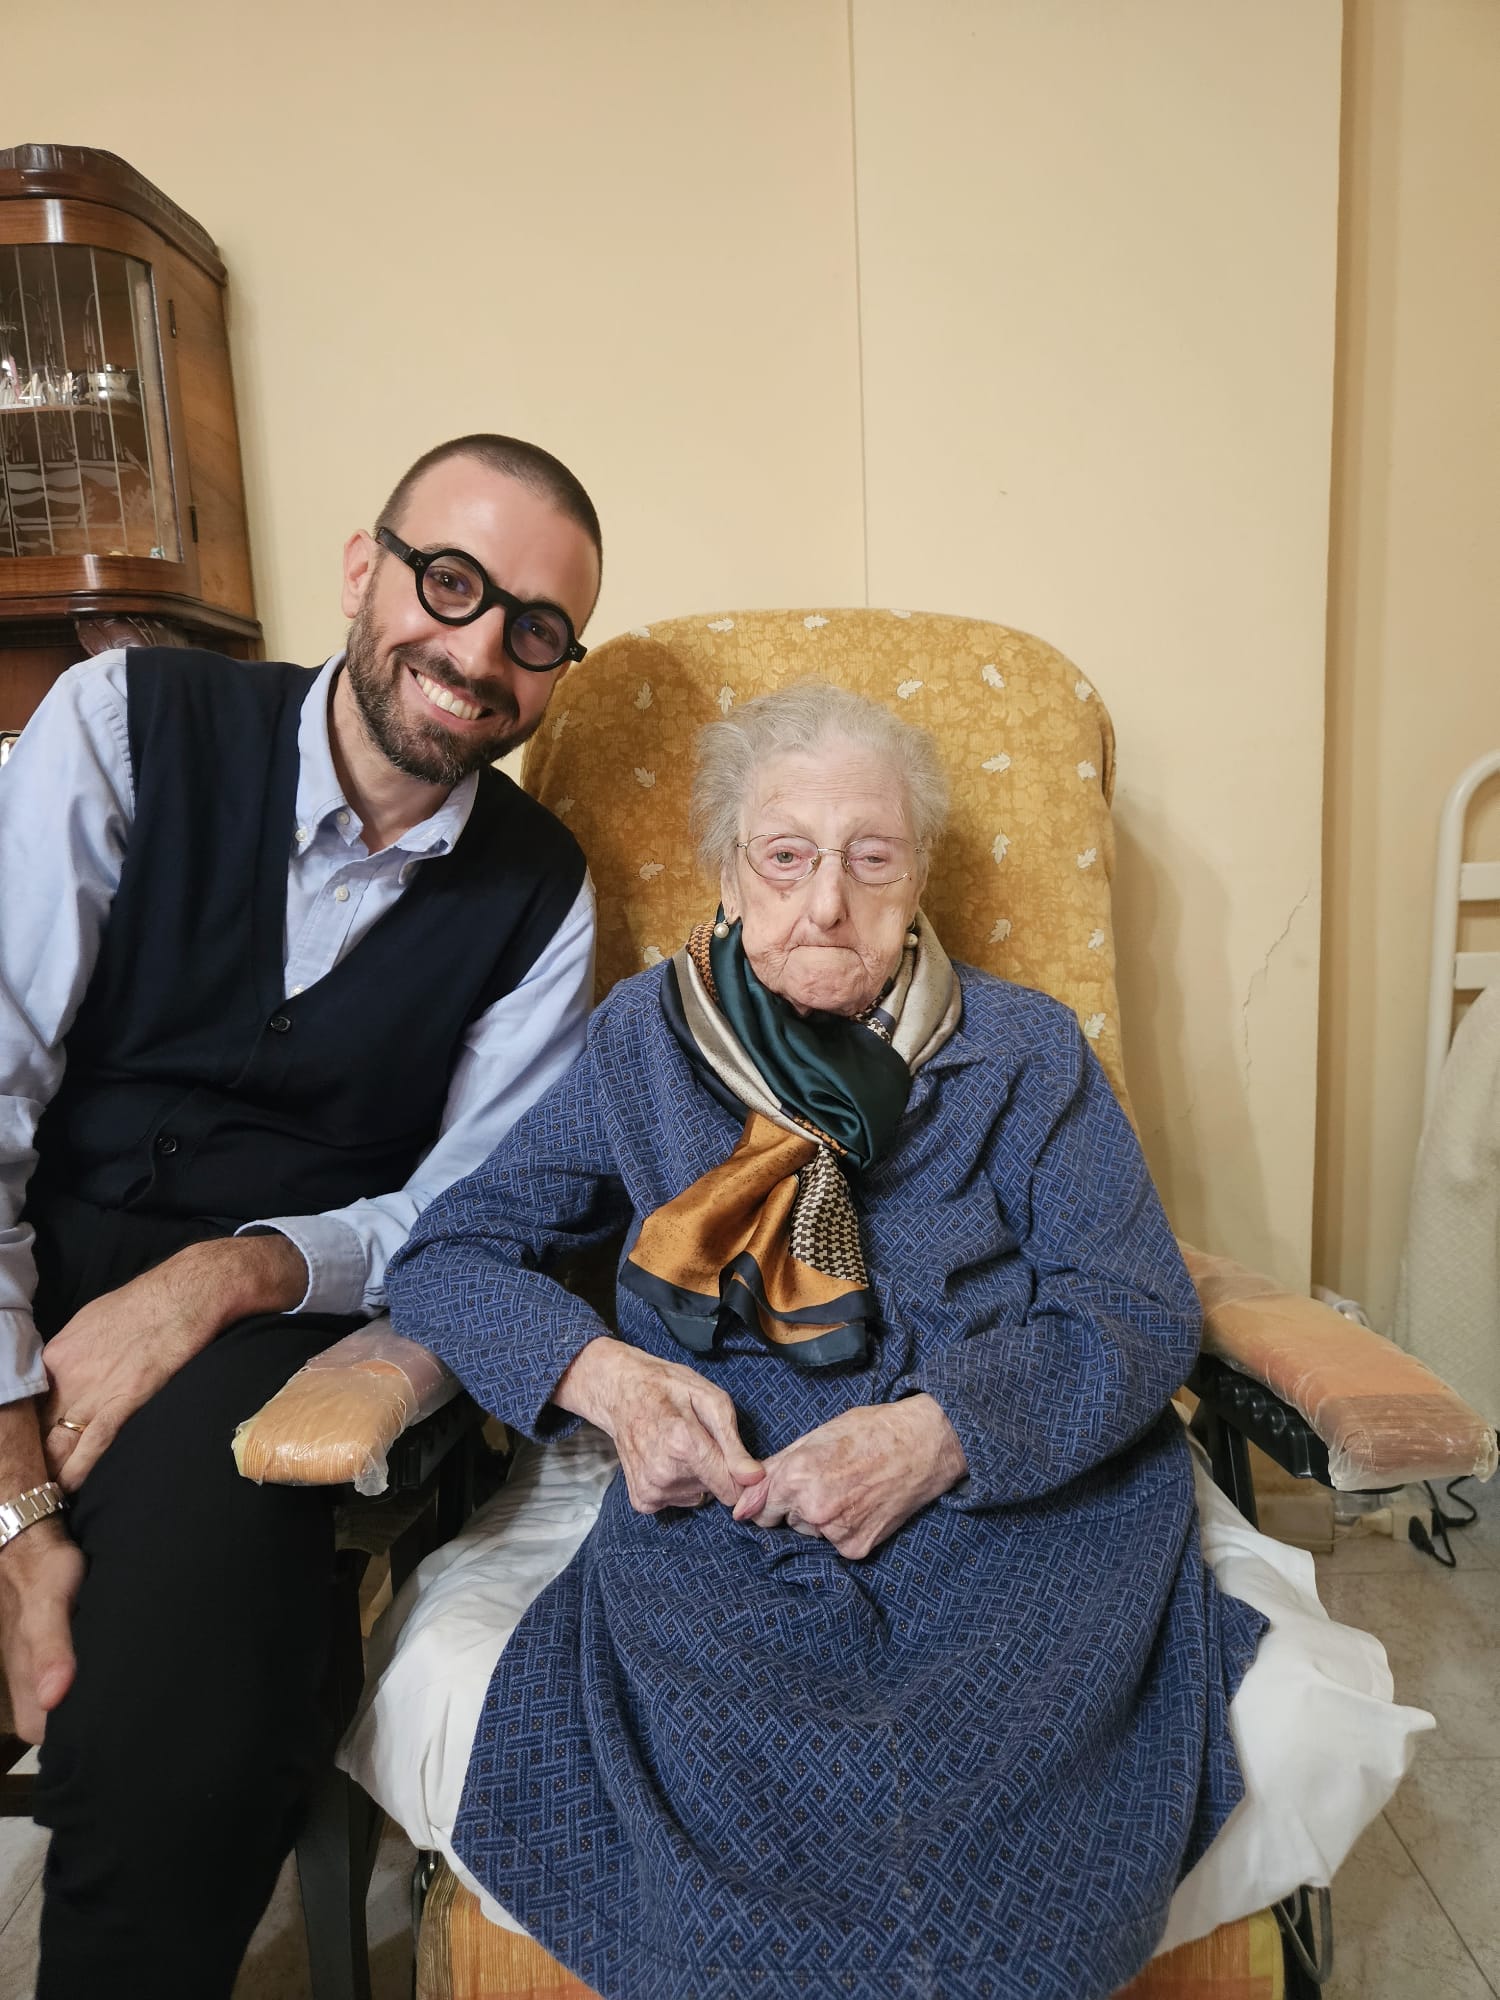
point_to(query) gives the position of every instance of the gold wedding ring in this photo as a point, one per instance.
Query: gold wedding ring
(67, 1424)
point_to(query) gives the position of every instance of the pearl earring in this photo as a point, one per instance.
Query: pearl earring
(912, 940)
(721, 929)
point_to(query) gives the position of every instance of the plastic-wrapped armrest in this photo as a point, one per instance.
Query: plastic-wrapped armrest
(336, 1420)
(1385, 1417)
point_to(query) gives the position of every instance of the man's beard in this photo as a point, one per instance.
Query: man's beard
(424, 749)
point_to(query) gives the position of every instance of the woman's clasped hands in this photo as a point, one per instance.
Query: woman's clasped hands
(852, 1481)
(676, 1434)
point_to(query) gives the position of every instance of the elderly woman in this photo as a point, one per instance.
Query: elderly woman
(891, 1664)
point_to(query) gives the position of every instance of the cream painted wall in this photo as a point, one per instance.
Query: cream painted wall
(1017, 307)
(624, 230)
(1097, 250)
(1414, 671)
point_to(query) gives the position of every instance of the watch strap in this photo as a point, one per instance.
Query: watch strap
(27, 1508)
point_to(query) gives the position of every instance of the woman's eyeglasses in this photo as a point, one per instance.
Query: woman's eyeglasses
(455, 590)
(872, 860)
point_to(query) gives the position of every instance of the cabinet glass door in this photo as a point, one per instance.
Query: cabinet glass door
(85, 467)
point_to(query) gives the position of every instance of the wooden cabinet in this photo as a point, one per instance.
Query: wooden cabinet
(122, 508)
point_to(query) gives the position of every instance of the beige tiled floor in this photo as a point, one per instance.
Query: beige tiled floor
(1416, 1907)
(1417, 1904)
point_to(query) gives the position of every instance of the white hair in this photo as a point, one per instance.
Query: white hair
(807, 718)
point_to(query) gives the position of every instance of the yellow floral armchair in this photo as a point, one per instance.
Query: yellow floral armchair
(1022, 889)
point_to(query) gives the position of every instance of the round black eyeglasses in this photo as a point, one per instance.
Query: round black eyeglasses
(455, 590)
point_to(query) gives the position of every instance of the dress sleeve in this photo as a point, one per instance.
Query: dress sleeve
(1113, 1325)
(471, 1281)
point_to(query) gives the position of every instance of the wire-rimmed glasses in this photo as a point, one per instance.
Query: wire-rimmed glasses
(875, 860)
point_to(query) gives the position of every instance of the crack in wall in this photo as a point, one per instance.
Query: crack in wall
(1262, 972)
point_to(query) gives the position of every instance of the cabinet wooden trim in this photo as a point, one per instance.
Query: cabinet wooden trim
(84, 173)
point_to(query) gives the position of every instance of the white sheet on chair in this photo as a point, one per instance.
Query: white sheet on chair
(1321, 1742)
(435, 1650)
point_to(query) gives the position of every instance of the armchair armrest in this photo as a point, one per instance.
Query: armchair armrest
(1384, 1417)
(338, 1418)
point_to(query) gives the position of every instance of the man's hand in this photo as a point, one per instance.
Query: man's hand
(856, 1479)
(40, 1572)
(115, 1353)
(676, 1434)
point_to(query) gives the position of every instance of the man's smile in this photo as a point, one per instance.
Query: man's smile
(445, 698)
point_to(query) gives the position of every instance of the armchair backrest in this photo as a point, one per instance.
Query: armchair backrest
(1021, 884)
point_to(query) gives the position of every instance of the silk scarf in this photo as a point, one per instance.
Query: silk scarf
(770, 1239)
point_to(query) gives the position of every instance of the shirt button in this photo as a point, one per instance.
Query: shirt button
(341, 893)
(343, 819)
(294, 992)
(279, 1024)
(166, 1142)
(408, 871)
(303, 836)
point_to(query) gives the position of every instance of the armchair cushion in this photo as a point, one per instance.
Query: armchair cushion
(335, 1421)
(1385, 1417)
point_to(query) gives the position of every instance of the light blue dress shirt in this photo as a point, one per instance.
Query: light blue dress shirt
(67, 801)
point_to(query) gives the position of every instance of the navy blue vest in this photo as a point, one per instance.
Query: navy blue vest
(194, 1086)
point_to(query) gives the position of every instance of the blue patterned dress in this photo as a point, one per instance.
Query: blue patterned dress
(719, 1761)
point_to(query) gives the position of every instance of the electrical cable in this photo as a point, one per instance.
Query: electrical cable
(1426, 1539)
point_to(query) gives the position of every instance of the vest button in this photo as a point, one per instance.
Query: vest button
(279, 1024)
(166, 1142)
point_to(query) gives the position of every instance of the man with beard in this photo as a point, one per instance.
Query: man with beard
(281, 957)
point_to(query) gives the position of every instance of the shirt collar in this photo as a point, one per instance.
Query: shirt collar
(320, 795)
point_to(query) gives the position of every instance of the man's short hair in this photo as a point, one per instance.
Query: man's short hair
(545, 475)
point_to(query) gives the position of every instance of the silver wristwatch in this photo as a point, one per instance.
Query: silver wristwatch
(34, 1505)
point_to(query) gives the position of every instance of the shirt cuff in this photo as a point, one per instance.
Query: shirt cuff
(21, 1371)
(337, 1268)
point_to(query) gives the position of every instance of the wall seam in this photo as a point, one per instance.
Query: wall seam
(859, 313)
(1341, 1177)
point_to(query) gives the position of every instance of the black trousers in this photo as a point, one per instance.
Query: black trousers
(175, 1769)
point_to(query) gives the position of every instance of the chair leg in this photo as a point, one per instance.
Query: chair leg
(451, 1505)
(1228, 1457)
(334, 1852)
(336, 1846)
(422, 1879)
(1306, 1942)
(422, 1876)
(455, 1499)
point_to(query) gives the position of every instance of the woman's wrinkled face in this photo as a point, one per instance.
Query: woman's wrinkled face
(827, 943)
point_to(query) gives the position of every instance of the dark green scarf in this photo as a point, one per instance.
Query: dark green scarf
(836, 1072)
